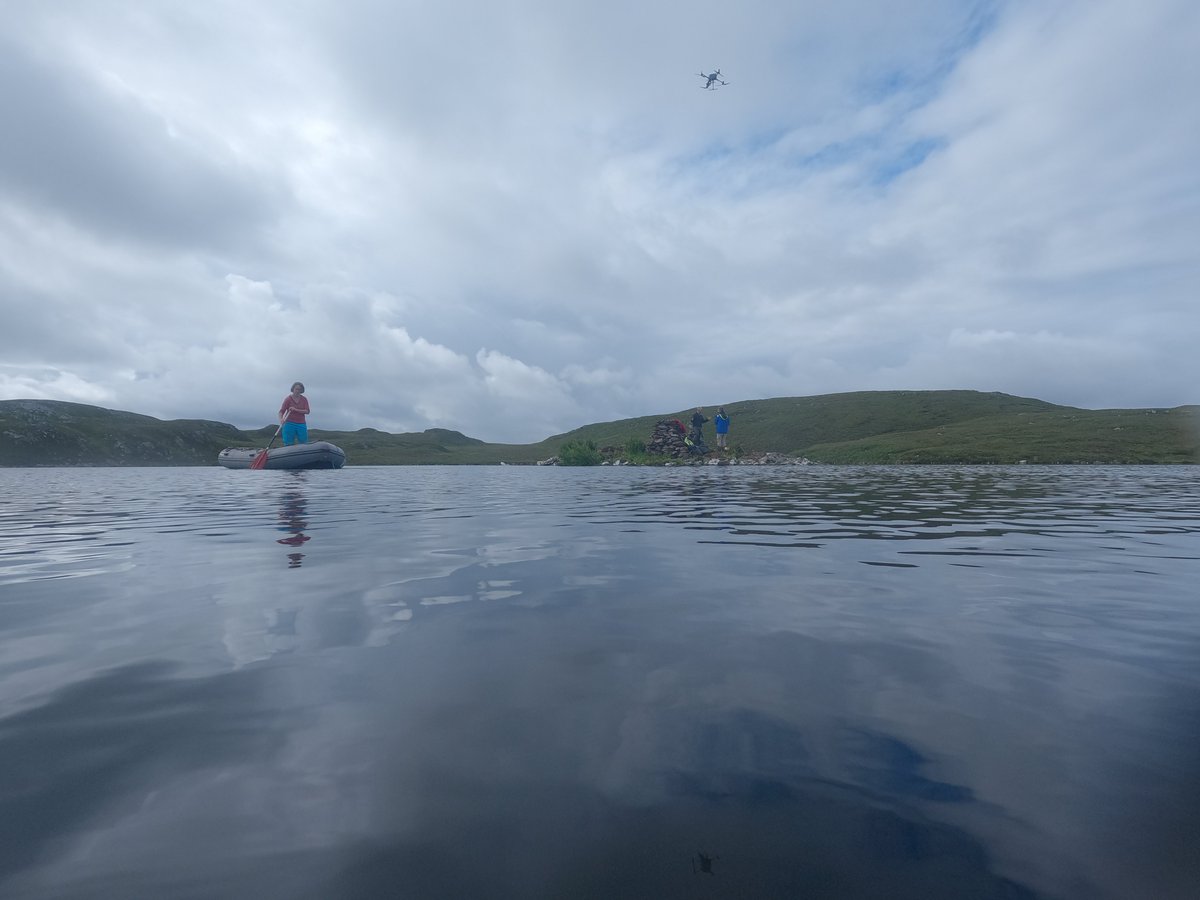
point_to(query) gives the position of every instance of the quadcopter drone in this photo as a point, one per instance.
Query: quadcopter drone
(712, 80)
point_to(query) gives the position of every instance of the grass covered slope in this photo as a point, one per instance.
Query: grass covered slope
(799, 424)
(1060, 435)
(54, 433)
(368, 447)
(863, 427)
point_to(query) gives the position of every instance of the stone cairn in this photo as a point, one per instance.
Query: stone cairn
(667, 439)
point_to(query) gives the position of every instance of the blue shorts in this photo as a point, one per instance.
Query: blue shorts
(294, 433)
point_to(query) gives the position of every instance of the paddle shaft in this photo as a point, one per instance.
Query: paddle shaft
(261, 460)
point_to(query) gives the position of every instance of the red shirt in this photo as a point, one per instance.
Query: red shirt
(294, 409)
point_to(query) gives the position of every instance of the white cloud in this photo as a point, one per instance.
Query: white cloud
(541, 221)
(39, 383)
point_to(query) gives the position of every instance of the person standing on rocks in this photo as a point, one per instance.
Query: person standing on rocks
(698, 420)
(721, 423)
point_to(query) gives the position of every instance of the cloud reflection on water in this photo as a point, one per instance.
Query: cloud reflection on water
(610, 692)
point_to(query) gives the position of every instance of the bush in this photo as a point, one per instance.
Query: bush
(579, 453)
(635, 447)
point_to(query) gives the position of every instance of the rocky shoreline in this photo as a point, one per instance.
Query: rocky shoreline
(671, 441)
(765, 459)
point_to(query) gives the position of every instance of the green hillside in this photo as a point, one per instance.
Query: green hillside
(52, 433)
(863, 427)
(796, 424)
(1060, 435)
(368, 447)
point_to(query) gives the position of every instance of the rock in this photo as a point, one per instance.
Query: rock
(775, 459)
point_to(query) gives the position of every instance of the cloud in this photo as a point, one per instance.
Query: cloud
(40, 383)
(541, 221)
(91, 154)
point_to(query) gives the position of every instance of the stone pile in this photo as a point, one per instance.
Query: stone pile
(667, 439)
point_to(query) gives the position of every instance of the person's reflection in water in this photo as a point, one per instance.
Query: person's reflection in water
(293, 518)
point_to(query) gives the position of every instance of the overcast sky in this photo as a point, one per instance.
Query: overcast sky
(516, 217)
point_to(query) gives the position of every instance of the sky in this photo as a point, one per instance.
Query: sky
(513, 218)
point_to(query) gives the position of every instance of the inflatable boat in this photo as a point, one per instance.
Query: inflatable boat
(317, 455)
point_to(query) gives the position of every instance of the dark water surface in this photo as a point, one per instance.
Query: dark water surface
(607, 683)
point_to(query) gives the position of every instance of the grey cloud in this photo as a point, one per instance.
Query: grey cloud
(96, 158)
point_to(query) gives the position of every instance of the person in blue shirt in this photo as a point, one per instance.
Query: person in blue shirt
(721, 422)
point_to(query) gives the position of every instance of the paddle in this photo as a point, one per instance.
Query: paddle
(260, 461)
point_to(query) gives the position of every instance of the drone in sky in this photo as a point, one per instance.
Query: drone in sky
(712, 80)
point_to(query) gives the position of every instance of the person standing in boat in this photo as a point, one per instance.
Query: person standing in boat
(292, 414)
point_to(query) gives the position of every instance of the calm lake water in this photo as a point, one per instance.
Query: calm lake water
(600, 683)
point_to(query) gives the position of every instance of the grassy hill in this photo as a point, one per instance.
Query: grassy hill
(1062, 435)
(863, 427)
(51, 433)
(368, 447)
(934, 427)
(795, 424)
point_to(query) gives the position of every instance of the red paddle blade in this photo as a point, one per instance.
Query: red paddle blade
(260, 461)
